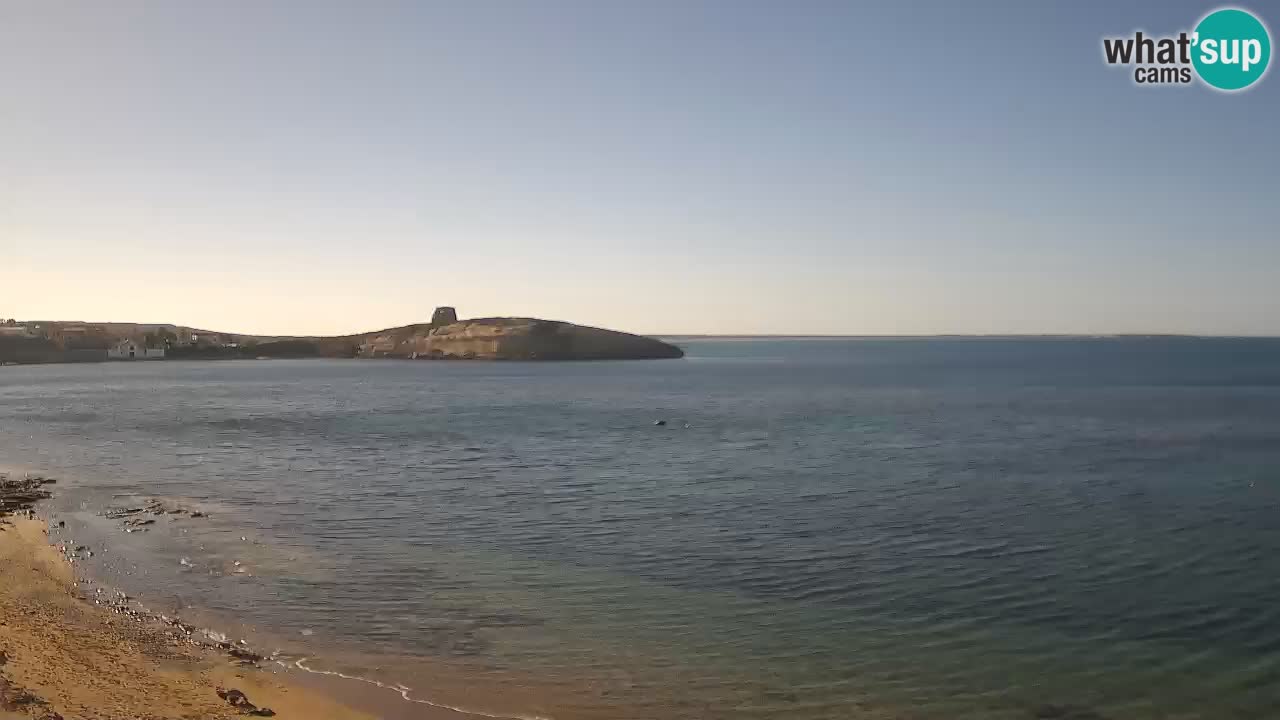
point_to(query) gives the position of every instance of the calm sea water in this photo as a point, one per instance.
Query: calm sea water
(822, 529)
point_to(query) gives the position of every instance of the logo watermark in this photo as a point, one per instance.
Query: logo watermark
(1229, 50)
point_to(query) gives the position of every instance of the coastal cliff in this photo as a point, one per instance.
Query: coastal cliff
(444, 338)
(512, 339)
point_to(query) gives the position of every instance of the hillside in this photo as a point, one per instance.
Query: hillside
(512, 339)
(445, 338)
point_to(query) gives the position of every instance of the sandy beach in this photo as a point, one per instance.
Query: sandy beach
(64, 657)
(73, 648)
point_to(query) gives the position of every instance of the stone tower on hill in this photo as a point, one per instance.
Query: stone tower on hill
(444, 315)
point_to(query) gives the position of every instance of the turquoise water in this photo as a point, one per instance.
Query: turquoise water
(823, 529)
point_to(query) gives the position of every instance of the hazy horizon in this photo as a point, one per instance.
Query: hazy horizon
(695, 336)
(702, 168)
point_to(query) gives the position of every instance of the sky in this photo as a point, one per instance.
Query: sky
(656, 166)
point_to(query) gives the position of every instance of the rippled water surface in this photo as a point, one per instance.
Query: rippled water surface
(822, 529)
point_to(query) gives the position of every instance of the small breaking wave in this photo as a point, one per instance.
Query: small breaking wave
(404, 691)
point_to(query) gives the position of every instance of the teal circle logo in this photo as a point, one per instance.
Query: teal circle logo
(1231, 49)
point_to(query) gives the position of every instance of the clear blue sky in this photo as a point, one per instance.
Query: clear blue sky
(661, 167)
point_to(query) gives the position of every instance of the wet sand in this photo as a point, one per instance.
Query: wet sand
(63, 656)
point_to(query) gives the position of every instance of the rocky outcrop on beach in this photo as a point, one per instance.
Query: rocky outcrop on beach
(512, 339)
(19, 495)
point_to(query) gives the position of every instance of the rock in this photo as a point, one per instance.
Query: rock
(13, 698)
(235, 698)
(238, 700)
(19, 496)
(244, 655)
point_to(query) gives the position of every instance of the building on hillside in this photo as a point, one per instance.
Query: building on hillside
(130, 349)
(444, 315)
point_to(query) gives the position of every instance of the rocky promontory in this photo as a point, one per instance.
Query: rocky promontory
(445, 337)
(510, 339)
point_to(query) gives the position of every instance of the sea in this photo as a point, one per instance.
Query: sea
(811, 529)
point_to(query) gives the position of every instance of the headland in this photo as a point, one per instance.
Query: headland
(445, 337)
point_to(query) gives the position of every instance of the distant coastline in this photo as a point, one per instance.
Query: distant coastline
(444, 338)
(1014, 336)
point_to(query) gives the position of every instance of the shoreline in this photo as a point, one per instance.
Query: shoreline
(66, 636)
(70, 648)
(63, 656)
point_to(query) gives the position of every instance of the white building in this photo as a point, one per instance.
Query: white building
(133, 350)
